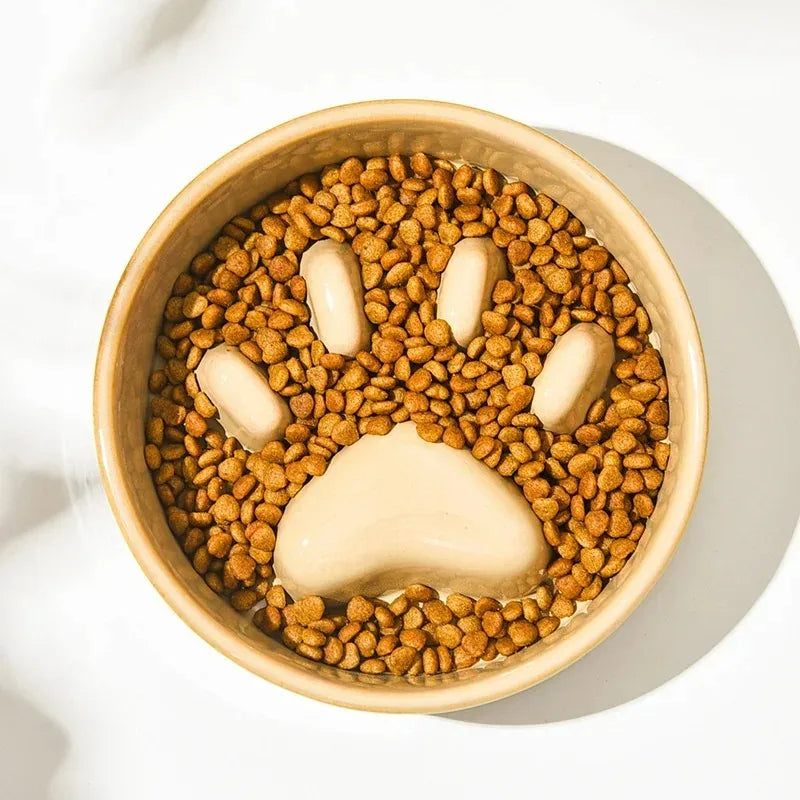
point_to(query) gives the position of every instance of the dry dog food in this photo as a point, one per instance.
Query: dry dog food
(471, 312)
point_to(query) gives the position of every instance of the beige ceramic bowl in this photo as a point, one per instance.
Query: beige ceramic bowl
(260, 166)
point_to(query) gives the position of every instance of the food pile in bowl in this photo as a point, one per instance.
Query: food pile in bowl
(407, 414)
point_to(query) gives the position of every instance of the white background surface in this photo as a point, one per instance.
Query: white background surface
(110, 108)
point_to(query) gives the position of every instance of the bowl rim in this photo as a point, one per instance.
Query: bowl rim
(447, 696)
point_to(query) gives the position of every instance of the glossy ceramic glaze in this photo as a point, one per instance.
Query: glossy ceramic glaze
(264, 164)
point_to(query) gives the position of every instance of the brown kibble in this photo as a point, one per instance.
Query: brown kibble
(449, 635)
(373, 666)
(219, 544)
(225, 509)
(366, 642)
(313, 638)
(580, 464)
(558, 280)
(562, 607)
(242, 566)
(430, 661)
(386, 644)
(619, 524)
(492, 623)
(345, 432)
(437, 332)
(333, 651)
(359, 609)
(268, 619)
(545, 507)
(430, 431)
(348, 631)
(522, 632)
(568, 586)
(413, 618)
(437, 256)
(547, 625)
(610, 478)
(388, 350)
(437, 612)
(401, 659)
(274, 477)
(453, 436)
(475, 643)
(414, 637)
(623, 442)
(460, 605)
(512, 610)
(648, 366)
(596, 522)
(482, 447)
(519, 397)
(514, 376)
(593, 559)
(309, 609)
(351, 658)
(419, 593)
(484, 604)
(276, 596)
(629, 408)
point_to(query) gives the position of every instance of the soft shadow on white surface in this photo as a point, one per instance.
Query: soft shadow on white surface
(160, 26)
(31, 749)
(30, 498)
(750, 499)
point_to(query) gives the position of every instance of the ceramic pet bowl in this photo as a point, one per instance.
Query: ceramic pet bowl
(262, 165)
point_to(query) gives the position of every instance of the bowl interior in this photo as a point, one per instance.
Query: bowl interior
(263, 165)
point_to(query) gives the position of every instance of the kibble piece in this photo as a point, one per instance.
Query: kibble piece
(401, 659)
(359, 609)
(226, 509)
(309, 609)
(366, 643)
(333, 651)
(449, 635)
(562, 607)
(475, 643)
(492, 623)
(413, 618)
(351, 658)
(547, 625)
(373, 666)
(345, 432)
(437, 612)
(522, 632)
(545, 507)
(610, 478)
(460, 605)
(437, 332)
